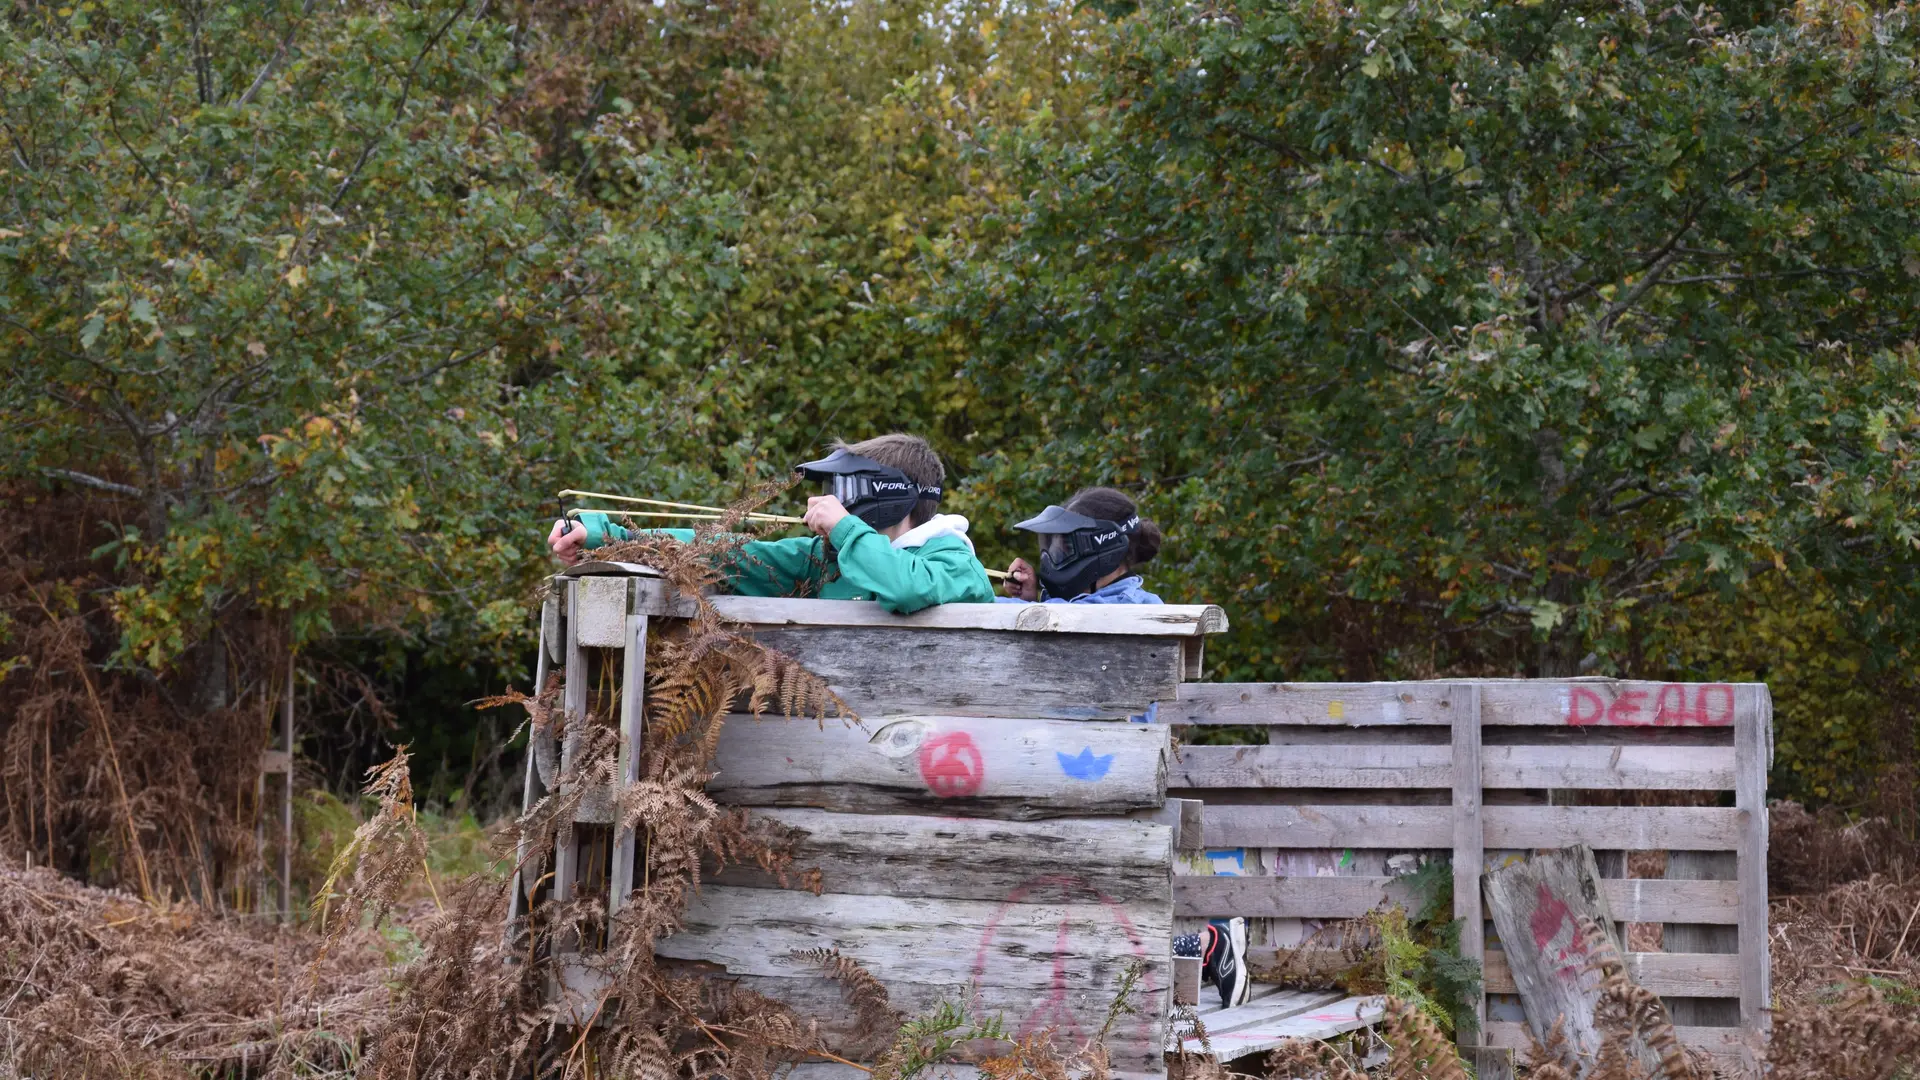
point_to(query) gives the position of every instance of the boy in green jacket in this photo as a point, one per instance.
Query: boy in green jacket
(881, 516)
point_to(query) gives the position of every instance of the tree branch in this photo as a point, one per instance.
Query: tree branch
(280, 54)
(95, 482)
(399, 109)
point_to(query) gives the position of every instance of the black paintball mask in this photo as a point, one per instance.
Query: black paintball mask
(1076, 550)
(877, 494)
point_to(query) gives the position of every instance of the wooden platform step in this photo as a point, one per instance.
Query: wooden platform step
(1268, 1021)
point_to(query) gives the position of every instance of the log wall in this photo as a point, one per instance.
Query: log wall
(985, 833)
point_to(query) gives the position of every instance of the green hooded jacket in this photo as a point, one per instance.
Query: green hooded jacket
(932, 564)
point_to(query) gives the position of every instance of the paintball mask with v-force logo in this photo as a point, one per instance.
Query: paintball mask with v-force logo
(877, 494)
(1076, 551)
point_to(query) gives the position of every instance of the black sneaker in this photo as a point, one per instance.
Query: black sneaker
(1225, 963)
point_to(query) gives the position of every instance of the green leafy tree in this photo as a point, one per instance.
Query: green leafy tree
(1476, 337)
(282, 281)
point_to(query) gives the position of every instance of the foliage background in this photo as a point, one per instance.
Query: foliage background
(1441, 338)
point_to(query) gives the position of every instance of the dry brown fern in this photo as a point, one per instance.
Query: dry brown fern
(1858, 1037)
(1311, 1059)
(868, 996)
(1628, 1017)
(1421, 1051)
(380, 860)
(1553, 1059)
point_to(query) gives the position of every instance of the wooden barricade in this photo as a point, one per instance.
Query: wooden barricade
(990, 832)
(1357, 783)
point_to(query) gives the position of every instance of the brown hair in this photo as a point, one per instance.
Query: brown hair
(1106, 504)
(912, 455)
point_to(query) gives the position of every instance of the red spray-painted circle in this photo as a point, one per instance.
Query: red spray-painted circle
(951, 765)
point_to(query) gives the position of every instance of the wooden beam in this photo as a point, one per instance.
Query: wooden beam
(1727, 1046)
(954, 765)
(1469, 854)
(1630, 828)
(1319, 826)
(1335, 704)
(1132, 620)
(633, 693)
(1183, 816)
(573, 698)
(1610, 703)
(1263, 897)
(1611, 768)
(881, 671)
(960, 859)
(1631, 900)
(1504, 702)
(1313, 767)
(1700, 975)
(599, 615)
(1753, 744)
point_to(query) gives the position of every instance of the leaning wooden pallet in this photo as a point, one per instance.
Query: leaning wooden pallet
(1357, 780)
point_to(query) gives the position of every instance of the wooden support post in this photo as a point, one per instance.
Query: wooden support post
(1702, 937)
(633, 695)
(521, 899)
(1752, 750)
(1469, 846)
(574, 702)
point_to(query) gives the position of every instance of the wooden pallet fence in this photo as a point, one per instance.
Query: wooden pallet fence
(993, 830)
(1356, 783)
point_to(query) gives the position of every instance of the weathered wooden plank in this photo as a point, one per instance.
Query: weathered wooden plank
(633, 683)
(1609, 703)
(979, 767)
(1262, 897)
(1537, 906)
(1183, 816)
(1505, 702)
(1662, 768)
(1631, 900)
(1047, 956)
(1642, 900)
(1261, 1011)
(1724, 1044)
(1338, 704)
(599, 618)
(573, 698)
(1122, 860)
(1186, 980)
(1684, 932)
(1328, 826)
(1141, 620)
(1632, 828)
(1700, 975)
(1313, 767)
(1322, 1022)
(1468, 837)
(1753, 745)
(531, 791)
(881, 671)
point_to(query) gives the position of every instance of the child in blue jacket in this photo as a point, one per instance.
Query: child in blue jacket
(1089, 552)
